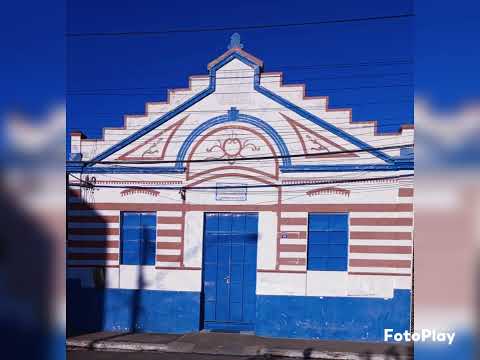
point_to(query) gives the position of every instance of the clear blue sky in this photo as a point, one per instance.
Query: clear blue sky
(367, 66)
(32, 55)
(34, 69)
(447, 52)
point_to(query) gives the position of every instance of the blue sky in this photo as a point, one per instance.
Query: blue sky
(39, 57)
(447, 52)
(367, 66)
(32, 61)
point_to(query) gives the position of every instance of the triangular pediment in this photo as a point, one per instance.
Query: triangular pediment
(314, 133)
(313, 142)
(155, 146)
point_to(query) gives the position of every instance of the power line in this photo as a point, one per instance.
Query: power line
(348, 106)
(284, 124)
(265, 153)
(179, 178)
(247, 92)
(284, 129)
(239, 159)
(263, 78)
(85, 184)
(237, 28)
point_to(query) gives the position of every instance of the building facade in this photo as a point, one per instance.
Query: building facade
(240, 204)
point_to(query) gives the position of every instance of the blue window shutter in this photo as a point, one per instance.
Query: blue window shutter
(138, 238)
(149, 229)
(327, 242)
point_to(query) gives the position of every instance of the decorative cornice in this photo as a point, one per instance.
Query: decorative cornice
(328, 191)
(150, 192)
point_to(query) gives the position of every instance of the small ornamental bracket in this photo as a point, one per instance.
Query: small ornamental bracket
(235, 42)
(233, 114)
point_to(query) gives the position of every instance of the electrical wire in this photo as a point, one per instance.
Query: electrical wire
(318, 154)
(85, 184)
(237, 28)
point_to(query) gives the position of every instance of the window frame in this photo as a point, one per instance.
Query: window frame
(347, 244)
(143, 241)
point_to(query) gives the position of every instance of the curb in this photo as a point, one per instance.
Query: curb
(115, 345)
(181, 347)
(329, 355)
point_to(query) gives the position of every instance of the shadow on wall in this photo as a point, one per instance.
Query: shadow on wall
(26, 282)
(95, 303)
(85, 304)
(93, 306)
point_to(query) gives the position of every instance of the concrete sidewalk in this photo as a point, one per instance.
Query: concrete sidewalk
(241, 345)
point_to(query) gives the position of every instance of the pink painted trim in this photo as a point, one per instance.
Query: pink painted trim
(293, 221)
(169, 245)
(382, 221)
(380, 274)
(169, 258)
(405, 192)
(177, 268)
(381, 235)
(231, 51)
(380, 249)
(291, 261)
(78, 133)
(380, 263)
(281, 271)
(169, 220)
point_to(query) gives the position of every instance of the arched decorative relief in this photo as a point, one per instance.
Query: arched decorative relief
(231, 143)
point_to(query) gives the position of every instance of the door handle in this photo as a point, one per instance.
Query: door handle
(227, 279)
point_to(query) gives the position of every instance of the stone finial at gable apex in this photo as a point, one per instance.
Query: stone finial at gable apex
(235, 42)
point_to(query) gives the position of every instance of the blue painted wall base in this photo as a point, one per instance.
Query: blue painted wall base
(339, 318)
(307, 317)
(90, 309)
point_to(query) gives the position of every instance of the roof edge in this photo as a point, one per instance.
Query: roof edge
(235, 50)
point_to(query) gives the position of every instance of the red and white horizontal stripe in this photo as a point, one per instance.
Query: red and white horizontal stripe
(382, 242)
(93, 237)
(169, 239)
(292, 244)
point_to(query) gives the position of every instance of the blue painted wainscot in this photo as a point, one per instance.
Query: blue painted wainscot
(90, 309)
(340, 318)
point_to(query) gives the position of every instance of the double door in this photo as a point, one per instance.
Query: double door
(229, 271)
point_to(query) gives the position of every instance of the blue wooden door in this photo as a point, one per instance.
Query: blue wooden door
(229, 271)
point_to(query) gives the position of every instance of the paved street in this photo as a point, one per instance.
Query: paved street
(218, 346)
(103, 355)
